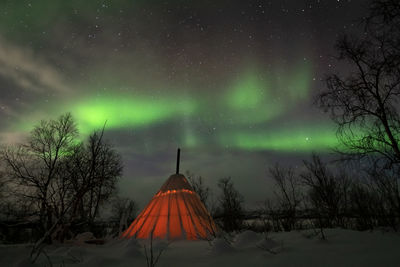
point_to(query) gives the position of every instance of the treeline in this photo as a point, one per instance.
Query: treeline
(335, 195)
(316, 195)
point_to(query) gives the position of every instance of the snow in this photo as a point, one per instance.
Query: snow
(296, 248)
(246, 239)
(81, 238)
(221, 246)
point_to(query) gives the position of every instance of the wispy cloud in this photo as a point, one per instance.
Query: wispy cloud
(27, 70)
(10, 138)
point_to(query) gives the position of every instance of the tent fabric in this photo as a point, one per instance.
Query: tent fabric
(175, 212)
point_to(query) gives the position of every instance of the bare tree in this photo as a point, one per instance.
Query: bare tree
(104, 168)
(33, 166)
(92, 171)
(124, 212)
(288, 194)
(328, 192)
(385, 184)
(197, 183)
(62, 179)
(364, 205)
(364, 102)
(3, 188)
(231, 206)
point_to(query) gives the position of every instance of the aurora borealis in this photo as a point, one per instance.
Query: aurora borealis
(230, 82)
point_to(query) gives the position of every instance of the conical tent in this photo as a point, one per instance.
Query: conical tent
(175, 212)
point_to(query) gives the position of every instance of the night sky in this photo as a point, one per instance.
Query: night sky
(230, 82)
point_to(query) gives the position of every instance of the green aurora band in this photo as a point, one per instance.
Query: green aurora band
(296, 139)
(257, 97)
(250, 102)
(117, 111)
(122, 112)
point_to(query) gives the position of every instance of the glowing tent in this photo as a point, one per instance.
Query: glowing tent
(175, 212)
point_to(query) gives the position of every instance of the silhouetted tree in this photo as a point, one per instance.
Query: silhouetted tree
(62, 179)
(328, 192)
(3, 190)
(97, 166)
(197, 183)
(364, 102)
(385, 184)
(288, 194)
(231, 206)
(33, 167)
(124, 212)
(364, 205)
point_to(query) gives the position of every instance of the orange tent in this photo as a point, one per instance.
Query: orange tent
(175, 212)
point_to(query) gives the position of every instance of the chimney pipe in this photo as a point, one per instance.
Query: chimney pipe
(177, 160)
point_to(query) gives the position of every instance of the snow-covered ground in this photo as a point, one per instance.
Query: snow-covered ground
(297, 248)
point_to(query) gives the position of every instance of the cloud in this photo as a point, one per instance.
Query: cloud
(27, 70)
(11, 138)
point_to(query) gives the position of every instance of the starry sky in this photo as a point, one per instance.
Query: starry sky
(230, 82)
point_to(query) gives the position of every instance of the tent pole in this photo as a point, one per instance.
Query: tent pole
(177, 160)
